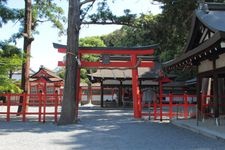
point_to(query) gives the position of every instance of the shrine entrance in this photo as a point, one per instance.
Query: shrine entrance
(105, 53)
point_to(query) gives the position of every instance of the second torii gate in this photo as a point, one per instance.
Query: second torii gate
(106, 52)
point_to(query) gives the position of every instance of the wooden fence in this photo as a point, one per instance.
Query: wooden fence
(33, 107)
(169, 106)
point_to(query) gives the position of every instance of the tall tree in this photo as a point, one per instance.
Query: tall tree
(68, 113)
(27, 45)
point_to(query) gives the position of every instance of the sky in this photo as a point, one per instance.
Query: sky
(43, 53)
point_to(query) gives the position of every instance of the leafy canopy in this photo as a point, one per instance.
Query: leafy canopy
(10, 61)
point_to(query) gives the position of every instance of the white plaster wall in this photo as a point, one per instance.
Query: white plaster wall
(221, 61)
(205, 65)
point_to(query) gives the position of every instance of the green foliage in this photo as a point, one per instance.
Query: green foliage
(86, 42)
(61, 73)
(89, 42)
(47, 10)
(6, 13)
(42, 11)
(104, 15)
(142, 33)
(10, 61)
(7, 85)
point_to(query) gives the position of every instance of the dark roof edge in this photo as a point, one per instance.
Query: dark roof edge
(196, 50)
(216, 6)
(193, 28)
(153, 46)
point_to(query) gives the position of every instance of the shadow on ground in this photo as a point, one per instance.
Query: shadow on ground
(115, 129)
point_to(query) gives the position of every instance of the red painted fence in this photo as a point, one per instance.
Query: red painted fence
(207, 109)
(44, 107)
(34, 107)
(170, 106)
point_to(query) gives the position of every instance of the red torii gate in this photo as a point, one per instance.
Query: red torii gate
(133, 64)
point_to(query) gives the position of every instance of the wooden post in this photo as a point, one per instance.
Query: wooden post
(185, 106)
(170, 105)
(44, 100)
(102, 94)
(155, 109)
(40, 106)
(56, 106)
(160, 98)
(24, 106)
(8, 107)
(120, 94)
(135, 89)
(199, 99)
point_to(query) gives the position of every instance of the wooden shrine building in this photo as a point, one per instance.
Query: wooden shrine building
(46, 82)
(120, 79)
(205, 50)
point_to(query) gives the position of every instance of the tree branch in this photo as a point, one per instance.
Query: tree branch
(108, 23)
(85, 13)
(85, 2)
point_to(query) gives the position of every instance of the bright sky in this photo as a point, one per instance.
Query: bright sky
(43, 52)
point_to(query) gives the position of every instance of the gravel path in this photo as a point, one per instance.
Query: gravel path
(103, 130)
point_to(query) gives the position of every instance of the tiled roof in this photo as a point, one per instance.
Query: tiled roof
(123, 73)
(48, 75)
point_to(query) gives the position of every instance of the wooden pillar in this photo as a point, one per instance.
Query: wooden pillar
(199, 98)
(221, 93)
(120, 93)
(135, 89)
(160, 97)
(215, 93)
(102, 94)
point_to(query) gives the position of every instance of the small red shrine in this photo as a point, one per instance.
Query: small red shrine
(45, 81)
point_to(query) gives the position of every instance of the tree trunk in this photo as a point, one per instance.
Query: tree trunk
(69, 113)
(27, 49)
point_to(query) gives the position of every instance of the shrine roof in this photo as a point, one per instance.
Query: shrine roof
(144, 73)
(207, 32)
(47, 74)
(213, 16)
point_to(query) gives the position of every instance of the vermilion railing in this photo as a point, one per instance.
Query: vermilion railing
(170, 106)
(208, 105)
(34, 106)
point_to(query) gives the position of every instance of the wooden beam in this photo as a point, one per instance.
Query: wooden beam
(113, 51)
(126, 64)
(61, 50)
(118, 51)
(121, 64)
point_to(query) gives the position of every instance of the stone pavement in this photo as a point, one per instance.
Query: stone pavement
(103, 129)
(207, 128)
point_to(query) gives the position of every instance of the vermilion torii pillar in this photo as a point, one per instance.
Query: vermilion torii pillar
(133, 64)
(136, 89)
